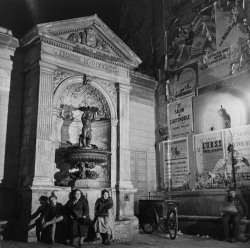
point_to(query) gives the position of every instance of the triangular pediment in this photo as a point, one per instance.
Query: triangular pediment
(90, 35)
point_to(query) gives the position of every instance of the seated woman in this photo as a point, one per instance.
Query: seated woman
(39, 221)
(235, 209)
(104, 222)
(77, 213)
(52, 215)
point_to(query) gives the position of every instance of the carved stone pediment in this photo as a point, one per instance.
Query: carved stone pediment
(87, 36)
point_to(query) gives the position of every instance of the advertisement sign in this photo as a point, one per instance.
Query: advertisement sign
(240, 139)
(209, 155)
(214, 153)
(176, 164)
(180, 118)
(224, 62)
(184, 81)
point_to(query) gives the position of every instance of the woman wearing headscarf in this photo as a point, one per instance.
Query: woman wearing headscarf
(104, 218)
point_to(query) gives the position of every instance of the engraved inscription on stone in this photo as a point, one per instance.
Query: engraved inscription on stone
(87, 61)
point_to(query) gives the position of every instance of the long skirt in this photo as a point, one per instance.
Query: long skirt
(78, 229)
(103, 225)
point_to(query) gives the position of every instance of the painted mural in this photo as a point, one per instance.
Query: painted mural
(232, 22)
(191, 35)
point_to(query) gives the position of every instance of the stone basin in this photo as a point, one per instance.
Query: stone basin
(79, 154)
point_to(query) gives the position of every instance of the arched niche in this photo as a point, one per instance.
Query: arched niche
(71, 94)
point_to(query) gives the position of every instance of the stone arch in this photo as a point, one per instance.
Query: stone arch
(99, 86)
(66, 129)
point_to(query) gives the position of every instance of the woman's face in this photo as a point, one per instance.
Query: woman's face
(77, 195)
(52, 201)
(232, 194)
(106, 195)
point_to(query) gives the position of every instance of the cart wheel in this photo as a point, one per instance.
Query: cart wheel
(172, 224)
(148, 220)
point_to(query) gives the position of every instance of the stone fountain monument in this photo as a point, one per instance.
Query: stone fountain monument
(60, 119)
(84, 155)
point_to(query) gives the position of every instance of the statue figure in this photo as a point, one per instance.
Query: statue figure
(88, 116)
(82, 170)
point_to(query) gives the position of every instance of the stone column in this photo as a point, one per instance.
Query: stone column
(11, 94)
(124, 187)
(123, 137)
(113, 177)
(44, 156)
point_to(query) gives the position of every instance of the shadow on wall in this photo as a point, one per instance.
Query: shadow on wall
(10, 208)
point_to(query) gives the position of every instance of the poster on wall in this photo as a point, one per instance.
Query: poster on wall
(214, 153)
(184, 81)
(176, 164)
(209, 157)
(180, 118)
(225, 62)
(232, 22)
(238, 139)
(192, 34)
(221, 109)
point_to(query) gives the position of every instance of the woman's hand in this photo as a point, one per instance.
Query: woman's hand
(45, 225)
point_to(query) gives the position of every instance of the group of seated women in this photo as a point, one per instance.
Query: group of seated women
(73, 219)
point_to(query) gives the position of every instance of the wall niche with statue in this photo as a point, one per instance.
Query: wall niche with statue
(82, 136)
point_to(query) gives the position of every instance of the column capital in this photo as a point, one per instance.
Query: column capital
(114, 122)
(49, 68)
(123, 87)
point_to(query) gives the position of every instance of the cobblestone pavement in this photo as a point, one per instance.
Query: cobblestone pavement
(144, 240)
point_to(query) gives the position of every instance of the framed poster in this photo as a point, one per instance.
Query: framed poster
(180, 118)
(176, 164)
(209, 158)
(238, 141)
(184, 81)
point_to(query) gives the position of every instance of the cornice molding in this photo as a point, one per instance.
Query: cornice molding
(47, 33)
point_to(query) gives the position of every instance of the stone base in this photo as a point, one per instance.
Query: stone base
(87, 184)
(126, 229)
(28, 202)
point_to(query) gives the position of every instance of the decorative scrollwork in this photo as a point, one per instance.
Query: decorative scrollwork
(59, 76)
(79, 95)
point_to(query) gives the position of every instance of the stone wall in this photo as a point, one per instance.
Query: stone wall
(203, 99)
(142, 135)
(11, 95)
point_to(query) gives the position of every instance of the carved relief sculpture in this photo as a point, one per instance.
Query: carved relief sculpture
(59, 76)
(80, 94)
(89, 38)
